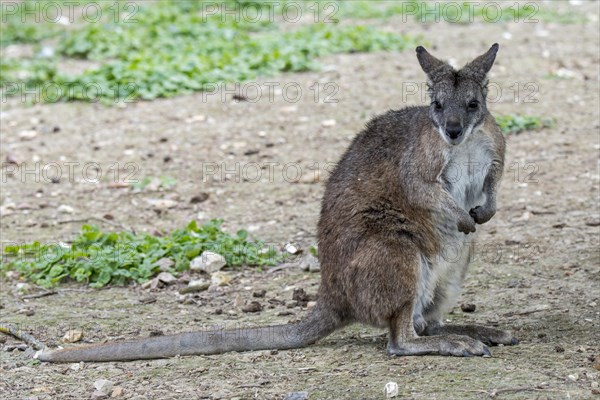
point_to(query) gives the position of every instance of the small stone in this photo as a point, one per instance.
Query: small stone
(310, 263)
(148, 300)
(165, 263)
(166, 277)
(104, 385)
(252, 307)
(289, 109)
(15, 347)
(151, 284)
(391, 389)
(196, 285)
(220, 278)
(238, 301)
(195, 118)
(208, 262)
(26, 311)
(75, 367)
(468, 307)
(291, 248)
(199, 198)
(310, 304)
(593, 221)
(162, 204)
(260, 293)
(559, 349)
(73, 336)
(117, 391)
(27, 135)
(12, 159)
(292, 304)
(296, 396)
(310, 177)
(23, 287)
(596, 363)
(328, 123)
(65, 209)
(573, 377)
(98, 395)
(301, 297)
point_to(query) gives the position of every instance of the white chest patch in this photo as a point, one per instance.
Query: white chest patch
(466, 169)
(463, 177)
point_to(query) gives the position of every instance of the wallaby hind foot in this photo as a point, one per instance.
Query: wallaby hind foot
(489, 336)
(446, 345)
(404, 341)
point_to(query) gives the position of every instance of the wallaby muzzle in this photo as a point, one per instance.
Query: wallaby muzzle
(454, 129)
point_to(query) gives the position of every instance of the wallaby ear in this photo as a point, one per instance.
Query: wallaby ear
(479, 67)
(428, 62)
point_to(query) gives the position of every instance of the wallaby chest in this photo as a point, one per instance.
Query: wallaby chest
(463, 177)
(466, 168)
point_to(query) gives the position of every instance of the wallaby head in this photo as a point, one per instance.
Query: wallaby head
(457, 97)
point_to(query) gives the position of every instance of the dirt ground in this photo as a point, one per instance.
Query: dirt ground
(536, 270)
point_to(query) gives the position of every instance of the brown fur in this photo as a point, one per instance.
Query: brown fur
(387, 212)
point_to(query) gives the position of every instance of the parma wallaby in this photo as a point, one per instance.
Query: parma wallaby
(394, 232)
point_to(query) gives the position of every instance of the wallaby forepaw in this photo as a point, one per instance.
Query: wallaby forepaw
(466, 226)
(481, 215)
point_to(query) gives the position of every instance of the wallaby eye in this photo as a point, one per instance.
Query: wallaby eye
(437, 105)
(473, 105)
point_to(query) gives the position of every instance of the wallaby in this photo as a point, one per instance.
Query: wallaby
(393, 233)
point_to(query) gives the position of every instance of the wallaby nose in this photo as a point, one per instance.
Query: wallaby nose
(453, 130)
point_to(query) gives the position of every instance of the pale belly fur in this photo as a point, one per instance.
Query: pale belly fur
(441, 277)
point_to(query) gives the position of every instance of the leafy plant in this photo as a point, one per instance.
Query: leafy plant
(99, 258)
(513, 124)
(175, 48)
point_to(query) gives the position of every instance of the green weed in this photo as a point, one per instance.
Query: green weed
(172, 49)
(100, 258)
(513, 124)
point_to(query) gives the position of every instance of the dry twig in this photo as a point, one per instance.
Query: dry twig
(22, 336)
(38, 295)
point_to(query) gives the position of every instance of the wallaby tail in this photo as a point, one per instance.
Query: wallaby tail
(318, 324)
